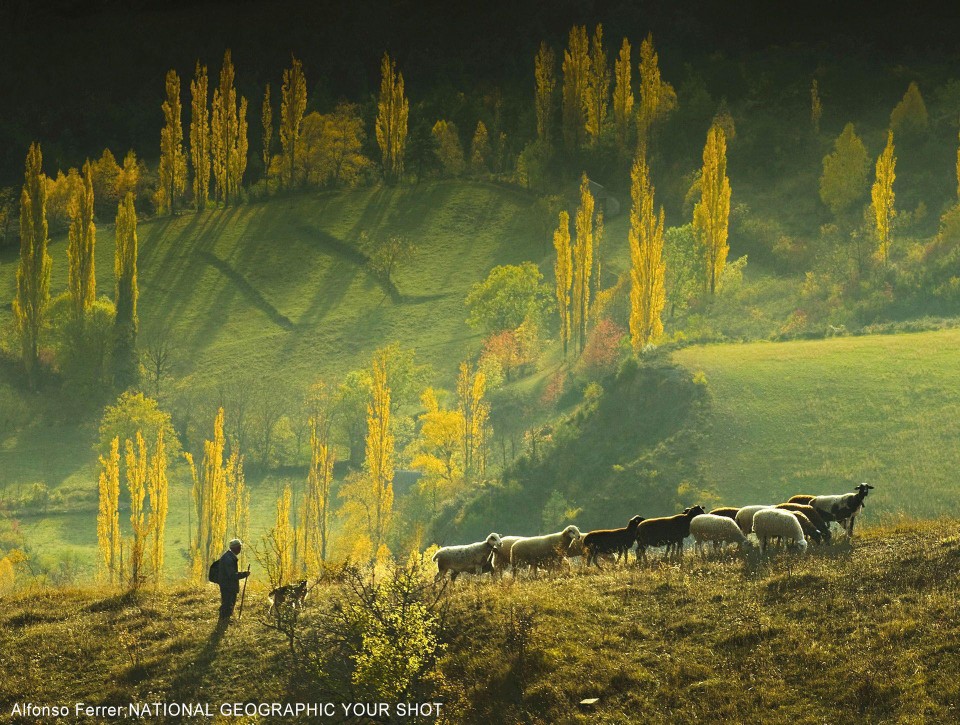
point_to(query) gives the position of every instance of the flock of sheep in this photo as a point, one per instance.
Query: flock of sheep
(791, 523)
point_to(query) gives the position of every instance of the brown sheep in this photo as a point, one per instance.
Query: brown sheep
(729, 511)
(611, 541)
(812, 515)
(669, 531)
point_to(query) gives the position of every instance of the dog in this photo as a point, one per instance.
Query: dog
(292, 594)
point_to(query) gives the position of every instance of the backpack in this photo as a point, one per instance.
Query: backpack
(213, 575)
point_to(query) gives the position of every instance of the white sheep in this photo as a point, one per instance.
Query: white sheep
(543, 550)
(469, 558)
(745, 517)
(773, 522)
(501, 558)
(718, 529)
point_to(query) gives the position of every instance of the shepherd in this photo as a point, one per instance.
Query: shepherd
(229, 579)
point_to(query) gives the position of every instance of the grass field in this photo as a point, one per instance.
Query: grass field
(821, 416)
(278, 294)
(866, 633)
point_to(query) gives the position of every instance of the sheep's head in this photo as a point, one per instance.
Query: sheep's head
(571, 534)
(694, 511)
(494, 542)
(863, 488)
(634, 522)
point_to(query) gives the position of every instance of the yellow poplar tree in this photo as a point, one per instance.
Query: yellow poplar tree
(293, 104)
(125, 266)
(393, 109)
(657, 98)
(379, 461)
(157, 492)
(82, 279)
(596, 98)
(108, 516)
(284, 539)
(200, 136)
(582, 263)
(238, 163)
(316, 499)
(711, 215)
(128, 180)
(266, 119)
(544, 68)
(136, 460)
(474, 412)
(563, 271)
(33, 271)
(647, 295)
(238, 498)
(622, 95)
(209, 501)
(173, 162)
(479, 149)
(576, 74)
(882, 195)
(228, 134)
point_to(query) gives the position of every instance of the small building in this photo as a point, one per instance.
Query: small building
(603, 199)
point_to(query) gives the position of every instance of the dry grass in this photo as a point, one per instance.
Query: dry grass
(867, 633)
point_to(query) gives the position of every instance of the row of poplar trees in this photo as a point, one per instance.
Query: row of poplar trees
(585, 100)
(585, 93)
(32, 300)
(218, 140)
(218, 136)
(577, 265)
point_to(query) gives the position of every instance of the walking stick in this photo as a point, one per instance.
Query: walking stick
(243, 593)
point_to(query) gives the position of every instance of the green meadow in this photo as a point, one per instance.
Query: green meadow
(273, 295)
(820, 416)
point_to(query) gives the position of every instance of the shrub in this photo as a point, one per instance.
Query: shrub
(510, 295)
(602, 350)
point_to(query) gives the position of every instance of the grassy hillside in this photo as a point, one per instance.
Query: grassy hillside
(821, 416)
(630, 451)
(867, 634)
(281, 285)
(272, 296)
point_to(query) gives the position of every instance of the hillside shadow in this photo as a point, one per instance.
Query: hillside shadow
(190, 680)
(251, 293)
(177, 265)
(27, 455)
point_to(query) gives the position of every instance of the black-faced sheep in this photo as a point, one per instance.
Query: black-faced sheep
(842, 508)
(812, 515)
(547, 551)
(718, 529)
(772, 523)
(470, 558)
(669, 531)
(611, 541)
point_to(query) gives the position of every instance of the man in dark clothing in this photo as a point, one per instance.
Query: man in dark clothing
(230, 577)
